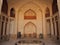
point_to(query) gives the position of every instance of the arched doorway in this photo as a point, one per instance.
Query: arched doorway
(30, 30)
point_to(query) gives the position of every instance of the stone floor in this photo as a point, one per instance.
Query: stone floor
(44, 42)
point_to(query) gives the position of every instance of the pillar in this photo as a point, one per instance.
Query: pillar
(0, 5)
(58, 3)
(52, 30)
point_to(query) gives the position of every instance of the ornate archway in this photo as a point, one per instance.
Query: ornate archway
(30, 14)
(47, 13)
(30, 29)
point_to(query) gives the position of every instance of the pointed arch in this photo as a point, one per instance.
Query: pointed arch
(4, 7)
(35, 4)
(12, 12)
(30, 14)
(47, 12)
(30, 28)
(54, 7)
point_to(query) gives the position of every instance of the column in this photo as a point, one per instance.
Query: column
(16, 23)
(55, 27)
(58, 3)
(0, 5)
(53, 24)
(4, 29)
(0, 15)
(8, 27)
(52, 30)
(48, 27)
(0, 25)
(12, 29)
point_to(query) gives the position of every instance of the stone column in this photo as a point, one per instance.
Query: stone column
(0, 5)
(8, 28)
(0, 27)
(4, 26)
(58, 3)
(52, 30)
(55, 27)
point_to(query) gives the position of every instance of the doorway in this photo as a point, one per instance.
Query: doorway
(30, 30)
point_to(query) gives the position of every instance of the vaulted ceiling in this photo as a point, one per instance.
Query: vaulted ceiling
(22, 0)
(15, 1)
